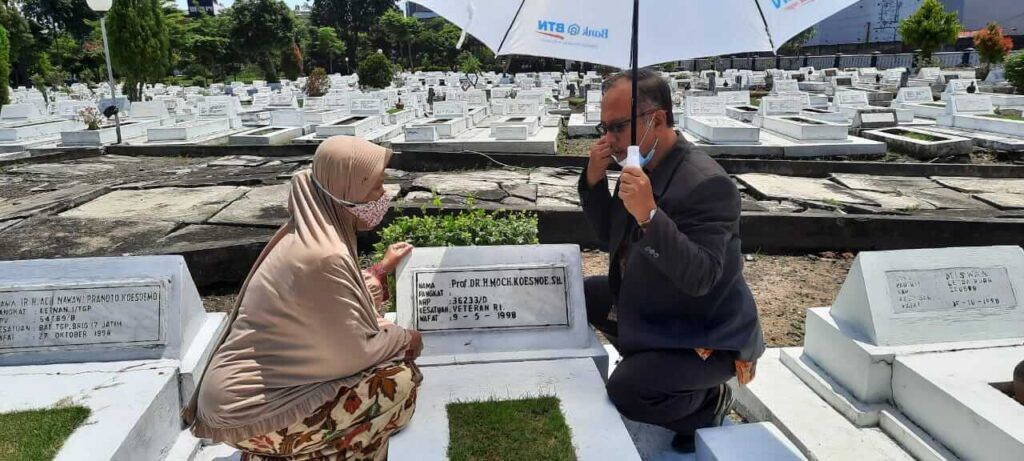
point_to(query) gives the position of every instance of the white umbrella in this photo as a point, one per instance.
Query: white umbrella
(624, 33)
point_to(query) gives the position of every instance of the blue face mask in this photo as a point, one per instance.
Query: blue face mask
(646, 158)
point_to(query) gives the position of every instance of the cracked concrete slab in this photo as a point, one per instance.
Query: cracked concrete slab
(791, 188)
(63, 237)
(170, 204)
(978, 185)
(261, 206)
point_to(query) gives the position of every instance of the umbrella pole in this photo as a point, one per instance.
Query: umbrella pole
(633, 57)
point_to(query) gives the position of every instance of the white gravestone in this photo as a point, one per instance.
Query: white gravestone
(366, 106)
(851, 99)
(780, 105)
(705, 106)
(914, 94)
(451, 109)
(785, 86)
(735, 98)
(969, 104)
(99, 309)
(501, 93)
(935, 295)
(594, 96)
(150, 110)
(502, 303)
(476, 98)
(19, 112)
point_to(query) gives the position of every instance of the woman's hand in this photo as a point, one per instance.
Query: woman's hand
(394, 255)
(415, 345)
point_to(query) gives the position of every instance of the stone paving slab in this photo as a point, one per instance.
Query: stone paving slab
(47, 202)
(261, 206)
(777, 187)
(171, 204)
(1001, 200)
(1006, 186)
(51, 236)
(62, 170)
(948, 199)
(886, 184)
(238, 176)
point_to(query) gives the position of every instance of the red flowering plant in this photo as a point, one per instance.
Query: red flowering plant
(992, 46)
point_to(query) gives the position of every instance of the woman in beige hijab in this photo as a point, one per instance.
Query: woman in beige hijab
(308, 369)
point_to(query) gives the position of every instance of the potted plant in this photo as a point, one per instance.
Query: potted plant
(91, 117)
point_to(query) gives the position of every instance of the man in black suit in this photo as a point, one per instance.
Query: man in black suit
(674, 303)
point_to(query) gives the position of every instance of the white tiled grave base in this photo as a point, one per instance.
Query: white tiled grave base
(134, 405)
(774, 145)
(265, 136)
(597, 430)
(188, 131)
(379, 134)
(107, 135)
(983, 139)
(580, 127)
(950, 395)
(36, 130)
(545, 141)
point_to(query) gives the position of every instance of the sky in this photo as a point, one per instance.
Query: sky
(291, 3)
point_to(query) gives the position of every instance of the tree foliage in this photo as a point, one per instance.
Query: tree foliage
(317, 83)
(375, 71)
(138, 42)
(401, 28)
(261, 29)
(992, 46)
(468, 63)
(930, 27)
(328, 45)
(350, 18)
(5, 67)
(1014, 70)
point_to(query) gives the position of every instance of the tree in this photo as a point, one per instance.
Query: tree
(929, 28)
(5, 67)
(208, 44)
(468, 63)
(57, 16)
(328, 45)
(291, 62)
(375, 71)
(262, 29)
(21, 40)
(401, 28)
(351, 17)
(437, 43)
(139, 46)
(1014, 70)
(317, 84)
(992, 46)
(794, 45)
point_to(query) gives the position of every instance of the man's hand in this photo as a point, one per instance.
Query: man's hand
(635, 193)
(600, 159)
(415, 345)
(394, 255)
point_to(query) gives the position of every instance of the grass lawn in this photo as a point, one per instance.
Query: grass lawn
(527, 430)
(37, 434)
(916, 135)
(394, 111)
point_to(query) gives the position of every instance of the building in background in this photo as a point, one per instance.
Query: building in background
(418, 11)
(209, 7)
(876, 21)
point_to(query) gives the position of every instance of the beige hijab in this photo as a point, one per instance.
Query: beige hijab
(305, 323)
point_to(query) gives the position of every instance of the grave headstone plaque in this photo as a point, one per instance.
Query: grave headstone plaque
(786, 86)
(98, 309)
(594, 96)
(914, 94)
(851, 98)
(936, 295)
(366, 106)
(735, 98)
(19, 112)
(451, 109)
(780, 105)
(513, 300)
(705, 106)
(969, 104)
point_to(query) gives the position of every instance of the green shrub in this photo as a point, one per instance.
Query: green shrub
(375, 71)
(470, 227)
(1014, 70)
(5, 66)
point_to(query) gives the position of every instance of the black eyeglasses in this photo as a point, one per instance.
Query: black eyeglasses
(617, 127)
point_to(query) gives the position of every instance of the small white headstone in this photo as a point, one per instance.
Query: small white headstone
(451, 109)
(705, 106)
(366, 106)
(260, 100)
(969, 104)
(150, 110)
(935, 295)
(476, 98)
(594, 96)
(21, 112)
(780, 105)
(914, 94)
(501, 93)
(851, 98)
(735, 98)
(785, 86)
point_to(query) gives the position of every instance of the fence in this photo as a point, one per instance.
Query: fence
(966, 58)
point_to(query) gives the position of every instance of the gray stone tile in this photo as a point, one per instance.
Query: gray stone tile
(171, 204)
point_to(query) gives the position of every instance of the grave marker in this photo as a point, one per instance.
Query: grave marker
(786, 86)
(935, 295)
(914, 94)
(969, 104)
(780, 105)
(704, 106)
(451, 109)
(366, 106)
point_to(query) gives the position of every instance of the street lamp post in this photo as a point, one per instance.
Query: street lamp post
(102, 7)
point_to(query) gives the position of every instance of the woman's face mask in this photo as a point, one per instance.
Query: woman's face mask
(370, 214)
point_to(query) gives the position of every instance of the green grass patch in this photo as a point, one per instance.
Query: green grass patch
(37, 434)
(1017, 118)
(394, 111)
(756, 102)
(577, 102)
(916, 135)
(511, 430)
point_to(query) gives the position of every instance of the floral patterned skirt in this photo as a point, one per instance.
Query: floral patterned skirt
(354, 425)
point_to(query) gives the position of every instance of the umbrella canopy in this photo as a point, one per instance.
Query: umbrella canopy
(600, 31)
(633, 33)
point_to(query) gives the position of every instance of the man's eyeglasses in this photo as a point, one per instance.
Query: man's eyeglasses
(617, 127)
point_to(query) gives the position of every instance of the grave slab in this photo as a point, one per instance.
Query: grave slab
(261, 206)
(777, 187)
(545, 142)
(60, 237)
(1002, 200)
(762, 441)
(171, 204)
(973, 185)
(50, 202)
(951, 396)
(597, 430)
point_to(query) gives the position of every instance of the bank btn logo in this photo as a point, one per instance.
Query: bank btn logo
(559, 30)
(789, 5)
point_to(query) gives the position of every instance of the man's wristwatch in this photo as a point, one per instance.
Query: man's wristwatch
(649, 218)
